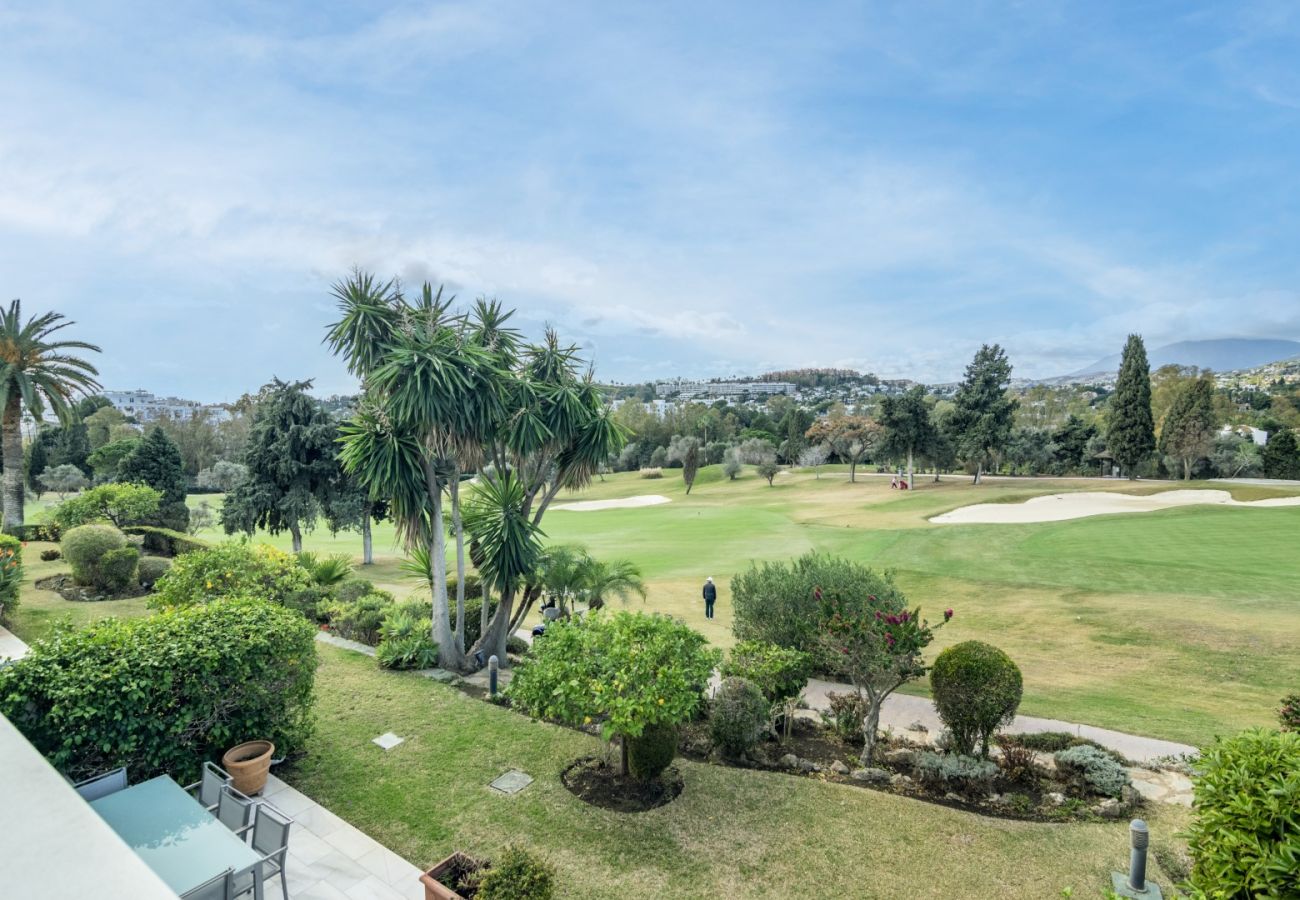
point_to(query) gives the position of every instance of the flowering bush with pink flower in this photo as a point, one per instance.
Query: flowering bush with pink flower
(1289, 714)
(877, 645)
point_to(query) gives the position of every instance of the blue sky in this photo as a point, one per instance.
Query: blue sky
(695, 189)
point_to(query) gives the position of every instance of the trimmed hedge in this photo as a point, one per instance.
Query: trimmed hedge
(739, 717)
(652, 752)
(165, 541)
(11, 575)
(976, 689)
(152, 568)
(118, 570)
(38, 531)
(164, 693)
(781, 674)
(85, 545)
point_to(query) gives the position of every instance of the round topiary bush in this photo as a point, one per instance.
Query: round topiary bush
(117, 569)
(83, 547)
(739, 716)
(652, 752)
(1244, 836)
(152, 568)
(976, 689)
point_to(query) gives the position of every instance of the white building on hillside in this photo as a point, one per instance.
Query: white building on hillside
(146, 407)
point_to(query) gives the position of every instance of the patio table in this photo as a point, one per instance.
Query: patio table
(174, 835)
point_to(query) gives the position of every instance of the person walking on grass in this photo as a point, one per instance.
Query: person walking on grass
(710, 595)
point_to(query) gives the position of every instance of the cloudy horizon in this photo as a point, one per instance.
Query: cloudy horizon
(679, 190)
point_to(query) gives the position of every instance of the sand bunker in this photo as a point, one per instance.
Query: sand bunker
(624, 503)
(1059, 507)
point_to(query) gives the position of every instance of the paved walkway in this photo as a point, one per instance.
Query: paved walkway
(332, 860)
(901, 711)
(11, 647)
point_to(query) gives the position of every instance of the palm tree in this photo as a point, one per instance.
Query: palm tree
(617, 578)
(562, 573)
(35, 372)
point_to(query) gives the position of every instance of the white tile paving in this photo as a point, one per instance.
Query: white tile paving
(331, 860)
(388, 740)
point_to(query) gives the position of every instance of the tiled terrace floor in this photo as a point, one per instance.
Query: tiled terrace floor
(331, 860)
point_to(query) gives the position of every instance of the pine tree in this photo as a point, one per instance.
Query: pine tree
(908, 429)
(985, 412)
(1131, 434)
(1281, 456)
(37, 461)
(156, 461)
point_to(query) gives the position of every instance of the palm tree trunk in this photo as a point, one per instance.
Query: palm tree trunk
(483, 610)
(459, 528)
(910, 484)
(296, 530)
(979, 470)
(493, 641)
(367, 539)
(13, 463)
(449, 655)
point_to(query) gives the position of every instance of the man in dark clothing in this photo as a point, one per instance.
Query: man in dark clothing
(710, 595)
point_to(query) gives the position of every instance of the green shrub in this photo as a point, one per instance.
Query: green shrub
(117, 504)
(166, 542)
(162, 694)
(84, 546)
(38, 531)
(326, 571)
(1289, 714)
(405, 642)
(1052, 741)
(351, 590)
(517, 875)
(117, 570)
(230, 569)
(963, 774)
(627, 670)
(517, 646)
(152, 568)
(652, 751)
(652, 472)
(361, 621)
(50, 555)
(976, 689)
(739, 717)
(846, 714)
(776, 602)
(779, 673)
(1091, 770)
(1245, 833)
(11, 575)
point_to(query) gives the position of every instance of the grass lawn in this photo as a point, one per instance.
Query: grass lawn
(732, 833)
(1177, 624)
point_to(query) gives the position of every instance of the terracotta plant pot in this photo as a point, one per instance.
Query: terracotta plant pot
(248, 765)
(436, 880)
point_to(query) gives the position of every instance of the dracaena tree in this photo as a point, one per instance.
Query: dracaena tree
(37, 372)
(446, 394)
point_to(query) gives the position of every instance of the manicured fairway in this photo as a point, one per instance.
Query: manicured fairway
(732, 833)
(1178, 624)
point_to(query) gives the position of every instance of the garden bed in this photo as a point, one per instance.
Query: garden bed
(593, 780)
(65, 587)
(815, 750)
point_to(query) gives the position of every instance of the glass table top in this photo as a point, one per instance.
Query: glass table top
(173, 834)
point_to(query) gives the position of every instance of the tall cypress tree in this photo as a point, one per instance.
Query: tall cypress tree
(1131, 432)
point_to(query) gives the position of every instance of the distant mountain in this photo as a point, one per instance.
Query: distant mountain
(1223, 355)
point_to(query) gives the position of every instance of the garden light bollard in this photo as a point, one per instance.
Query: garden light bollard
(1135, 884)
(493, 663)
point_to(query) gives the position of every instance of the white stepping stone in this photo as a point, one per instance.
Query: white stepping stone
(388, 740)
(512, 782)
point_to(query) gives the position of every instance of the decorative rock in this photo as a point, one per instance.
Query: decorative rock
(1109, 808)
(807, 765)
(839, 768)
(898, 780)
(441, 675)
(872, 775)
(952, 797)
(901, 759)
(790, 761)
(918, 726)
(1056, 798)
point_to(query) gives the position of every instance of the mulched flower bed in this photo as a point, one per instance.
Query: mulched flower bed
(65, 587)
(594, 781)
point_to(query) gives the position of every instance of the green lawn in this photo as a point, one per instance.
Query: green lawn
(1178, 624)
(732, 833)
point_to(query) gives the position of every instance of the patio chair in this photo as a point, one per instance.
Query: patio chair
(102, 785)
(213, 889)
(207, 790)
(271, 840)
(235, 810)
